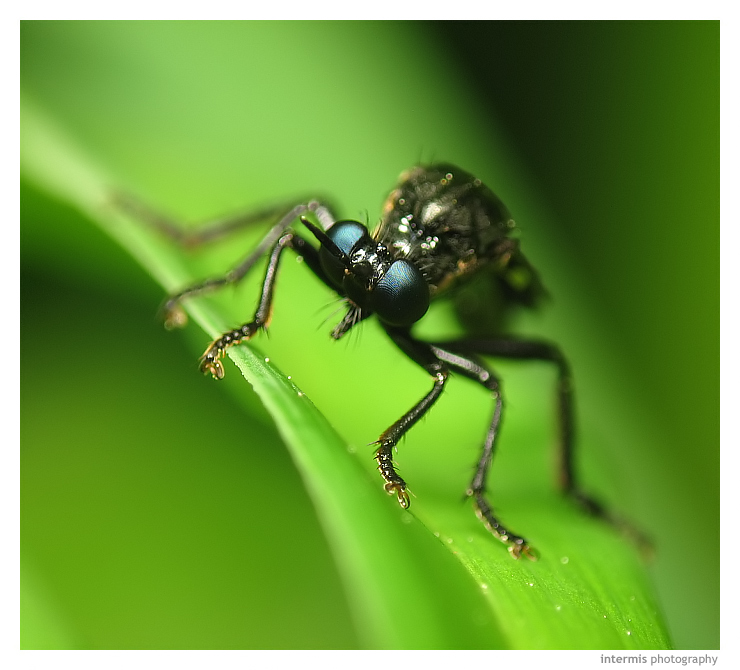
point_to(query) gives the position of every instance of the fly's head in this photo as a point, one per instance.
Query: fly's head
(374, 281)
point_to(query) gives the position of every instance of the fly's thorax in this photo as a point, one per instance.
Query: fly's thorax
(445, 221)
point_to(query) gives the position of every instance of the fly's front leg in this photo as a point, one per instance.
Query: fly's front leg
(422, 354)
(394, 483)
(210, 361)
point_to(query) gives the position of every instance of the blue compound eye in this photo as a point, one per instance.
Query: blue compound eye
(345, 234)
(401, 297)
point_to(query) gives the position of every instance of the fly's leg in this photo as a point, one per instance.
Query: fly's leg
(394, 483)
(174, 315)
(214, 229)
(422, 354)
(474, 369)
(513, 348)
(210, 361)
(438, 362)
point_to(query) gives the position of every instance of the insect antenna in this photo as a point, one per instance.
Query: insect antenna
(326, 242)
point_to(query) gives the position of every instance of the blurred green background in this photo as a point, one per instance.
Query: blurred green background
(143, 485)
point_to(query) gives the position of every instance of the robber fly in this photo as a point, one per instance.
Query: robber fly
(440, 229)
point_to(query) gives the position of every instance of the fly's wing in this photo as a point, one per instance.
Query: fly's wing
(486, 301)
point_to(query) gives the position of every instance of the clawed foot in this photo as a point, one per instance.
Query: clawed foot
(519, 548)
(394, 485)
(210, 362)
(399, 490)
(174, 317)
(516, 545)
